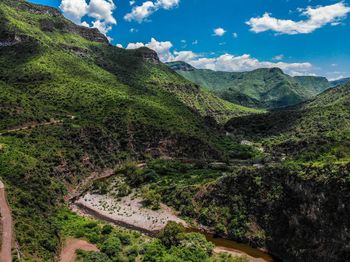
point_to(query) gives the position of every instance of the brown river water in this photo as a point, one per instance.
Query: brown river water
(235, 246)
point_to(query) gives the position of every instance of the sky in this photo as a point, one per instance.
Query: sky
(302, 37)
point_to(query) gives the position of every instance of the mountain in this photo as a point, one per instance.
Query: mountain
(339, 82)
(261, 88)
(315, 84)
(316, 131)
(72, 104)
(80, 118)
(297, 198)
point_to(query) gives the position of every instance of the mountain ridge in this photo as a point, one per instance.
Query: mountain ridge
(262, 88)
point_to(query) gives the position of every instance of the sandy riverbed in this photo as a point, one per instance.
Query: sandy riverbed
(130, 210)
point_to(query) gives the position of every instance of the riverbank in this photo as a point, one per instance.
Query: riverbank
(130, 213)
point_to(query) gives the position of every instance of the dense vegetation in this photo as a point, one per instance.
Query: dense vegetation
(261, 88)
(86, 106)
(315, 132)
(172, 244)
(71, 104)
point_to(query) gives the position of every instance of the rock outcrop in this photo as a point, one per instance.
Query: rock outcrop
(148, 55)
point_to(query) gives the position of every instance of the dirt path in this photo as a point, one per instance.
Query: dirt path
(30, 126)
(7, 233)
(68, 253)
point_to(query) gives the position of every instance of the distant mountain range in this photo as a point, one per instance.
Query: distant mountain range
(262, 88)
(340, 82)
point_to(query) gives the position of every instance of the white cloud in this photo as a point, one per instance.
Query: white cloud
(100, 10)
(195, 42)
(278, 57)
(184, 56)
(167, 4)
(133, 30)
(142, 12)
(232, 63)
(119, 45)
(135, 45)
(219, 31)
(86, 24)
(225, 62)
(132, 2)
(317, 18)
(102, 26)
(74, 9)
(235, 35)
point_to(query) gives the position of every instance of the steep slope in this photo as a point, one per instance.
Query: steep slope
(262, 88)
(314, 84)
(317, 130)
(70, 104)
(295, 202)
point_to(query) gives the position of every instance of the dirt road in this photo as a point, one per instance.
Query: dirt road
(31, 126)
(7, 225)
(68, 253)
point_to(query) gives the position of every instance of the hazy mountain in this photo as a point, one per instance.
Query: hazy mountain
(340, 81)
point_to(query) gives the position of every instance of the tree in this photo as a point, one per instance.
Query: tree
(170, 233)
(111, 246)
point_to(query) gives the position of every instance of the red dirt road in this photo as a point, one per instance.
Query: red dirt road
(6, 221)
(68, 253)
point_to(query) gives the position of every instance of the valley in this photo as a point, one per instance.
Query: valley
(108, 154)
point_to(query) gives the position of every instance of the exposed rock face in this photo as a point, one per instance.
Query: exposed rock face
(148, 55)
(12, 39)
(39, 9)
(61, 24)
(91, 34)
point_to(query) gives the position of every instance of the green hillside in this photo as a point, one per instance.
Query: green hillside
(70, 104)
(261, 88)
(314, 132)
(293, 201)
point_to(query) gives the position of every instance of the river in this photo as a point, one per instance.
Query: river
(222, 243)
(235, 246)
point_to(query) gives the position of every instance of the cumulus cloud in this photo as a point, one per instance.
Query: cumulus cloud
(232, 63)
(316, 18)
(100, 10)
(146, 9)
(226, 62)
(74, 9)
(219, 31)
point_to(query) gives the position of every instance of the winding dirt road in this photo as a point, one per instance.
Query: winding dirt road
(6, 222)
(68, 253)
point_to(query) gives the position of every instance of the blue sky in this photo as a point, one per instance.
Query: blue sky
(300, 36)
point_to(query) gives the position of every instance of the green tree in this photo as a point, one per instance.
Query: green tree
(169, 235)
